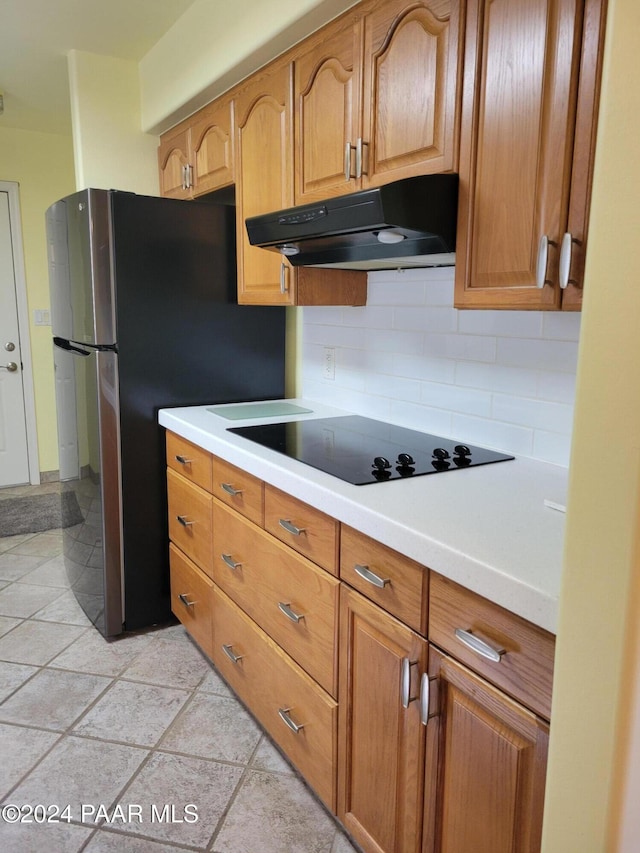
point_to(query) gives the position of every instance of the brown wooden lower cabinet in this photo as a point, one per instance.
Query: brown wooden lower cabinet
(485, 767)
(460, 769)
(380, 743)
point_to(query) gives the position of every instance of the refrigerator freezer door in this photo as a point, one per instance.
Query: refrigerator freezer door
(78, 236)
(88, 433)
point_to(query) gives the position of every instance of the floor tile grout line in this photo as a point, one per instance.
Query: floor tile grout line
(236, 791)
(157, 749)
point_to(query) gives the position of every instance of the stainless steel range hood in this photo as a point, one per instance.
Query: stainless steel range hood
(408, 223)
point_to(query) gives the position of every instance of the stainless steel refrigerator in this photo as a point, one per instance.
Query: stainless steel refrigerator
(144, 316)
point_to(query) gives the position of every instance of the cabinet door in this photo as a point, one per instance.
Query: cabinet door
(519, 104)
(264, 172)
(212, 144)
(485, 768)
(583, 153)
(410, 89)
(380, 743)
(173, 159)
(327, 112)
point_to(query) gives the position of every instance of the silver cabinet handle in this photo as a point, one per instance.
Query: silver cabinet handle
(371, 577)
(284, 287)
(541, 264)
(565, 260)
(425, 696)
(228, 650)
(184, 521)
(229, 489)
(285, 607)
(189, 176)
(405, 682)
(479, 646)
(228, 559)
(348, 148)
(284, 714)
(11, 367)
(291, 528)
(360, 171)
(183, 598)
(183, 460)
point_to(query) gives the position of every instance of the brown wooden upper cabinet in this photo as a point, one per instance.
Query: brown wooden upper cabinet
(264, 163)
(196, 157)
(264, 182)
(376, 97)
(531, 80)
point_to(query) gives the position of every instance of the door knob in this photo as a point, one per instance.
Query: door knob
(10, 346)
(11, 367)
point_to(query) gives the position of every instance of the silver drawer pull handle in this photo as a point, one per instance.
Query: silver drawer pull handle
(228, 650)
(425, 696)
(183, 598)
(371, 577)
(285, 607)
(229, 489)
(564, 273)
(183, 460)
(184, 521)
(541, 263)
(228, 559)
(284, 716)
(405, 682)
(291, 528)
(479, 646)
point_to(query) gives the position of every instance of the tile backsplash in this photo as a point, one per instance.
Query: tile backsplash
(503, 379)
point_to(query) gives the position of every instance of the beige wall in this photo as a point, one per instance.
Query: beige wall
(596, 637)
(42, 164)
(110, 149)
(214, 45)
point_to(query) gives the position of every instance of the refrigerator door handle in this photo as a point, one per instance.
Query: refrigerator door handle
(61, 343)
(64, 344)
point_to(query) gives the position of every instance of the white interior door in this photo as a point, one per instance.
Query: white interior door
(14, 411)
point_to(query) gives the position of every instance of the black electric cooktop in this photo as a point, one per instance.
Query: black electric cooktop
(362, 450)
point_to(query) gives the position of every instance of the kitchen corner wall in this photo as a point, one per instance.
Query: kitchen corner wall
(503, 379)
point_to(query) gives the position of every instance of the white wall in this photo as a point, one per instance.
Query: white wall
(503, 379)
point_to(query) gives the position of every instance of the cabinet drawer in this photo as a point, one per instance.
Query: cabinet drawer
(317, 537)
(192, 462)
(270, 581)
(524, 670)
(239, 490)
(190, 519)
(270, 682)
(192, 599)
(396, 583)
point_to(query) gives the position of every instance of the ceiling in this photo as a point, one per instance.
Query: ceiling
(36, 35)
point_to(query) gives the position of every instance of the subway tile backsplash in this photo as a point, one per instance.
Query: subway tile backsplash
(504, 379)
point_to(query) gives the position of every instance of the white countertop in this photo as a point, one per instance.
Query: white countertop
(488, 528)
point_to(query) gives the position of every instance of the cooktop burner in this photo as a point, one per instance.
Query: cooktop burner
(362, 450)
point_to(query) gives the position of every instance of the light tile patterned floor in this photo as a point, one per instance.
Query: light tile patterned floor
(142, 726)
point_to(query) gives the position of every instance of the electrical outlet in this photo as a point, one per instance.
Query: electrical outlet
(329, 363)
